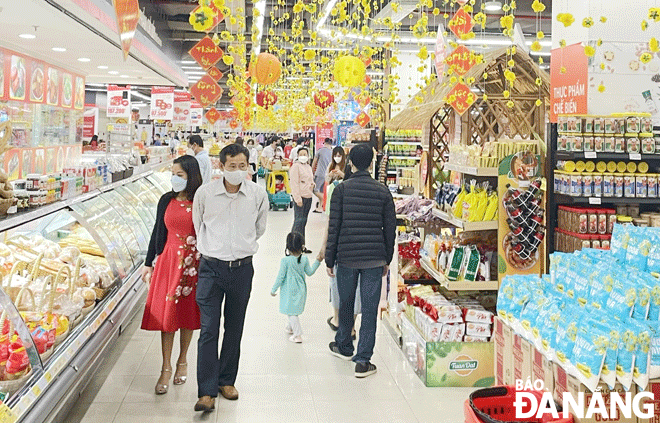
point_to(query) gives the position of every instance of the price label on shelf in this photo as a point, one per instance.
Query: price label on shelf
(48, 377)
(7, 415)
(590, 155)
(36, 390)
(594, 200)
(635, 156)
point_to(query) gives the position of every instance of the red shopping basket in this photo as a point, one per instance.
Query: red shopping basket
(495, 405)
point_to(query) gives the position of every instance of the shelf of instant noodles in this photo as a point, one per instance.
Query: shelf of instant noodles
(569, 199)
(458, 285)
(475, 171)
(466, 226)
(592, 155)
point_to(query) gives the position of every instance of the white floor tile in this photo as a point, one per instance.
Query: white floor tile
(278, 381)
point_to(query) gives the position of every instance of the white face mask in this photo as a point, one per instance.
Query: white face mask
(337, 159)
(235, 177)
(303, 159)
(178, 183)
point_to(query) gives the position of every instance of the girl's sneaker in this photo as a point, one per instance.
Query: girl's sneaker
(288, 329)
(296, 339)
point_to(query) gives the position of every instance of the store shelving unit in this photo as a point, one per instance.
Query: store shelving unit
(458, 285)
(475, 171)
(466, 226)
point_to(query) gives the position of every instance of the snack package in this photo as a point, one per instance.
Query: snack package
(491, 209)
(566, 336)
(619, 241)
(642, 355)
(654, 302)
(455, 263)
(471, 263)
(459, 332)
(625, 361)
(478, 329)
(622, 299)
(589, 355)
(471, 338)
(477, 315)
(643, 302)
(638, 249)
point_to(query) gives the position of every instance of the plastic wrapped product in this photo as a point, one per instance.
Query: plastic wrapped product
(472, 338)
(589, 355)
(639, 247)
(642, 355)
(626, 358)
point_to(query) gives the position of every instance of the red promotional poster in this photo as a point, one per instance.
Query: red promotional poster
(461, 24)
(461, 98)
(181, 108)
(162, 103)
(362, 119)
(37, 82)
(206, 91)
(119, 103)
(79, 103)
(128, 15)
(88, 127)
(67, 90)
(568, 81)
(324, 130)
(53, 87)
(461, 60)
(18, 78)
(206, 53)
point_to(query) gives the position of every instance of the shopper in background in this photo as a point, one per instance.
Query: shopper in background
(157, 140)
(196, 144)
(301, 181)
(239, 140)
(287, 148)
(294, 150)
(320, 165)
(361, 235)
(94, 142)
(174, 145)
(229, 216)
(291, 283)
(268, 152)
(254, 158)
(172, 280)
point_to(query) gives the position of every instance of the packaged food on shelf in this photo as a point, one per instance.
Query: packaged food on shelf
(468, 256)
(469, 203)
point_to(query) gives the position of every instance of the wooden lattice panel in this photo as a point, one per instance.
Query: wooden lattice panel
(442, 130)
(493, 119)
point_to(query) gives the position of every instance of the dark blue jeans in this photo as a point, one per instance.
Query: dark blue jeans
(215, 283)
(300, 215)
(370, 286)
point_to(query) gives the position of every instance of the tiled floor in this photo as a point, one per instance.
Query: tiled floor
(278, 381)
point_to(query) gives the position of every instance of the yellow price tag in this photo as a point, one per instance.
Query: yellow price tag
(48, 377)
(7, 415)
(36, 390)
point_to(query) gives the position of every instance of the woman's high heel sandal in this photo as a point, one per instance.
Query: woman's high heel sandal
(161, 385)
(180, 377)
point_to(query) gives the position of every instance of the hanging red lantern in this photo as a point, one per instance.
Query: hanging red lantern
(266, 69)
(324, 99)
(266, 99)
(233, 124)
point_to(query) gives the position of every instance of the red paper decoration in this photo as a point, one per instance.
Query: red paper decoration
(266, 99)
(212, 115)
(324, 99)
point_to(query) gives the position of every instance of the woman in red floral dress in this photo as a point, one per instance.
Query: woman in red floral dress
(171, 304)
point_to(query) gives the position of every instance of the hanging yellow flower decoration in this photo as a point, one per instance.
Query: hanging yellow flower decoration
(538, 81)
(453, 80)
(562, 70)
(228, 59)
(603, 19)
(310, 55)
(536, 46)
(602, 66)
(215, 39)
(485, 97)
(646, 57)
(480, 19)
(423, 53)
(599, 42)
(509, 76)
(506, 93)
(485, 75)
(219, 3)
(538, 7)
(298, 7)
(566, 18)
(645, 25)
(510, 104)
(601, 88)
(202, 19)
(654, 13)
(436, 11)
(470, 80)
(654, 46)
(589, 51)
(587, 22)
(311, 8)
(506, 21)
(540, 35)
(511, 63)
(539, 103)
(562, 43)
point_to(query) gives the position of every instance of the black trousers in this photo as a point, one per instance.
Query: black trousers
(254, 169)
(217, 282)
(300, 215)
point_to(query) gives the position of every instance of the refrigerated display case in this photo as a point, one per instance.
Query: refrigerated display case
(100, 239)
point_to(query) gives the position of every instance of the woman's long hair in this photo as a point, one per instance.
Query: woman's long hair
(190, 165)
(342, 164)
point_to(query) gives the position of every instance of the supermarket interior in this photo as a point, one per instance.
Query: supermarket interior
(519, 141)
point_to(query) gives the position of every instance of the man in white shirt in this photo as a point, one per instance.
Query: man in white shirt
(268, 153)
(294, 152)
(196, 144)
(229, 215)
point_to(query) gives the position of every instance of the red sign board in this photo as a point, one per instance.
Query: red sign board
(214, 73)
(128, 15)
(212, 115)
(324, 130)
(119, 101)
(89, 130)
(568, 81)
(461, 60)
(206, 91)
(206, 53)
(362, 119)
(461, 24)
(461, 98)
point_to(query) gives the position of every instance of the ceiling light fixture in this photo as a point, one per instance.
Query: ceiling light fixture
(84, 59)
(259, 24)
(102, 67)
(493, 6)
(328, 8)
(28, 36)
(124, 76)
(59, 49)
(187, 62)
(142, 96)
(113, 73)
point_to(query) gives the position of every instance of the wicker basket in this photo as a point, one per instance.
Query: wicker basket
(12, 291)
(49, 295)
(13, 385)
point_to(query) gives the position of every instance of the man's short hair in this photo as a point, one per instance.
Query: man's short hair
(196, 140)
(239, 140)
(233, 150)
(361, 156)
(328, 141)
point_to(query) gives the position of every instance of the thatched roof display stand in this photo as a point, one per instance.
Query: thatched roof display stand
(486, 120)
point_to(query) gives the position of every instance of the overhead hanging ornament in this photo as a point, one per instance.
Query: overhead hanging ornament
(267, 69)
(266, 99)
(349, 71)
(324, 99)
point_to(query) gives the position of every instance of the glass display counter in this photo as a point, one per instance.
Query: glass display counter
(70, 280)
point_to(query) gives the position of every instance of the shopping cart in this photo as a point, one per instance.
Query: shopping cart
(495, 405)
(278, 199)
